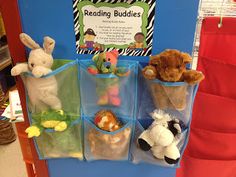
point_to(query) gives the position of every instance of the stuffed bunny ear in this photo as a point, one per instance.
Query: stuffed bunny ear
(28, 41)
(48, 45)
(186, 58)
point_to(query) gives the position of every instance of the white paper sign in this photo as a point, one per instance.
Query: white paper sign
(113, 26)
(102, 26)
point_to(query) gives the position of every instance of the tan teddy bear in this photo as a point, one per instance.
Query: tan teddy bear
(170, 66)
(108, 146)
(107, 121)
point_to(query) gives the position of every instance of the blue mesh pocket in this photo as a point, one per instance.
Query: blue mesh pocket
(99, 144)
(174, 97)
(109, 91)
(140, 156)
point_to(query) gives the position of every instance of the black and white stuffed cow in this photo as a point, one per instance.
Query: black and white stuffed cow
(162, 137)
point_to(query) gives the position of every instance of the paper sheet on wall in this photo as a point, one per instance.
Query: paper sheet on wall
(127, 26)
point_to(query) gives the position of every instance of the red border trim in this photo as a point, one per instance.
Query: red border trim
(11, 17)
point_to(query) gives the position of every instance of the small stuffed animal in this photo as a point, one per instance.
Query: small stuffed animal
(63, 142)
(50, 119)
(105, 63)
(162, 137)
(108, 146)
(42, 92)
(107, 121)
(66, 143)
(107, 88)
(170, 66)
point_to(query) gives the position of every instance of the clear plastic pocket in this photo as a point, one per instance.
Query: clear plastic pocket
(168, 96)
(176, 98)
(109, 91)
(53, 104)
(141, 156)
(99, 144)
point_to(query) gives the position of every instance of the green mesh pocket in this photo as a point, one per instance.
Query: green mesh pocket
(54, 109)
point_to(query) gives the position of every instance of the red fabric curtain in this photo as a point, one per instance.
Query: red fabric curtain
(211, 151)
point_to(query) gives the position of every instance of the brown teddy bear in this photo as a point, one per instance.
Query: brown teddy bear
(170, 66)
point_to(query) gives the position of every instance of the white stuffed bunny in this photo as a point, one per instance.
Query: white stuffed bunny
(42, 92)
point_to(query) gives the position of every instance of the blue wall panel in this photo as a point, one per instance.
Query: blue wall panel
(75, 168)
(174, 28)
(53, 18)
(174, 24)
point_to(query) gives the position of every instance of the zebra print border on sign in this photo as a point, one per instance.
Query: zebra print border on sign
(125, 52)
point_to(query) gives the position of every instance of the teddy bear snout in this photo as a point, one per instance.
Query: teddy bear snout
(172, 75)
(172, 72)
(32, 64)
(107, 65)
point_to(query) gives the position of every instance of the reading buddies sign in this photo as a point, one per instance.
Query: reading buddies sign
(127, 26)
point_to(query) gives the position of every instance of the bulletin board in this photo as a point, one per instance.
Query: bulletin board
(172, 26)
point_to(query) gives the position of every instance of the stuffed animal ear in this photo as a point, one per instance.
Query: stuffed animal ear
(95, 57)
(186, 58)
(154, 60)
(48, 45)
(28, 41)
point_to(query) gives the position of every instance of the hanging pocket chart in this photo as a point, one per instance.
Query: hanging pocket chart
(168, 33)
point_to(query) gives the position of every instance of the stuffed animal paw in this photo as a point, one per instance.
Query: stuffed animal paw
(103, 100)
(19, 69)
(115, 100)
(40, 71)
(61, 126)
(193, 77)
(78, 155)
(92, 69)
(172, 154)
(162, 137)
(150, 72)
(37, 73)
(122, 71)
(33, 131)
(15, 71)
